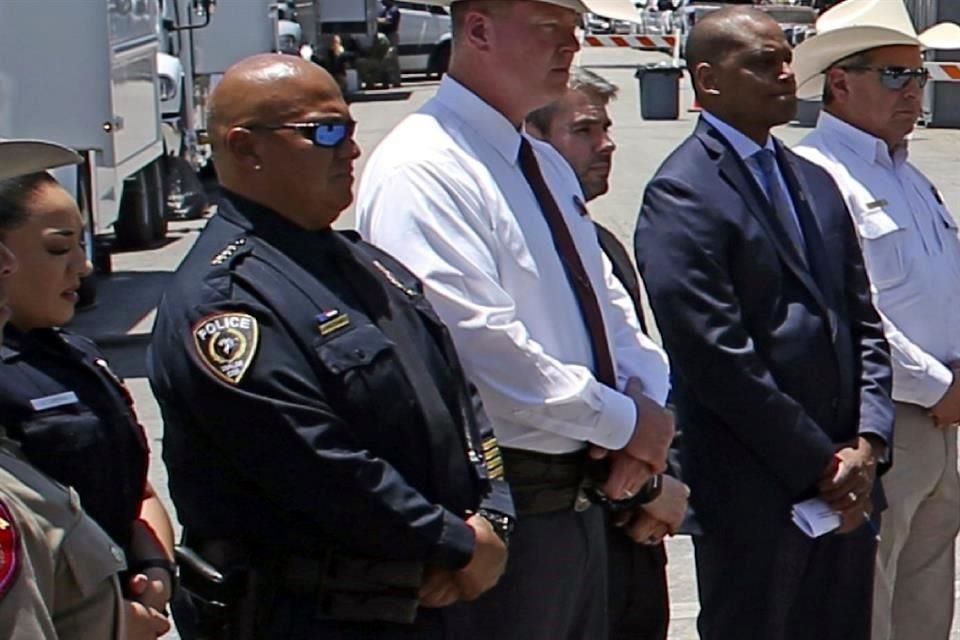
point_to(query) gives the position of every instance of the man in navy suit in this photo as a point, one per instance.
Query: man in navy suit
(781, 371)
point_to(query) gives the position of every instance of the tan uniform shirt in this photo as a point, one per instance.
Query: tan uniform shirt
(64, 585)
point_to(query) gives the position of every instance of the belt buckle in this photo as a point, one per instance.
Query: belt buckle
(582, 503)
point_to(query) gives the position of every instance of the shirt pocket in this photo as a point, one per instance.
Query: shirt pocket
(884, 248)
(92, 558)
(66, 444)
(363, 373)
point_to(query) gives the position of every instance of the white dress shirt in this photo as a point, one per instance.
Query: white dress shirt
(747, 149)
(911, 250)
(444, 193)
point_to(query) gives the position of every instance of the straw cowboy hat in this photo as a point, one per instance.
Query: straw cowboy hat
(614, 9)
(854, 26)
(21, 157)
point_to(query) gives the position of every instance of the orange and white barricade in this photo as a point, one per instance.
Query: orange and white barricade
(944, 71)
(652, 43)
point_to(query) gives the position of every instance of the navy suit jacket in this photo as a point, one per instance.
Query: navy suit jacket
(771, 368)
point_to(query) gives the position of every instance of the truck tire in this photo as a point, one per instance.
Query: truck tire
(186, 198)
(87, 293)
(142, 221)
(98, 252)
(440, 59)
(157, 188)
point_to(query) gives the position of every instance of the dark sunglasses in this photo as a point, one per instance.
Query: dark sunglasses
(326, 134)
(896, 78)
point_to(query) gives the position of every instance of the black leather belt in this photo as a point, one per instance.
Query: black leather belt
(352, 588)
(543, 482)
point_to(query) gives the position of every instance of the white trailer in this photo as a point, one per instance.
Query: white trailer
(201, 40)
(83, 73)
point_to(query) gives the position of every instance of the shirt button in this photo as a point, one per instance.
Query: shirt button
(360, 353)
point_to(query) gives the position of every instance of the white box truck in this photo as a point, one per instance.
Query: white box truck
(200, 41)
(83, 73)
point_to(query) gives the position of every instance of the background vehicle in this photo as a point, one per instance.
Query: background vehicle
(98, 94)
(424, 31)
(424, 38)
(199, 45)
(798, 21)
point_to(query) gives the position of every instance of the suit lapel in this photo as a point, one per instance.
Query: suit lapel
(798, 185)
(735, 171)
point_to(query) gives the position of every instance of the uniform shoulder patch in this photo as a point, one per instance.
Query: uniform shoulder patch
(227, 343)
(9, 550)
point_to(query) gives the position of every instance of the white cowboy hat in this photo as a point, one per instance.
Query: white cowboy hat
(21, 157)
(614, 9)
(854, 26)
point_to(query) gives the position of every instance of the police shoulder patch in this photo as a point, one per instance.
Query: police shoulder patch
(9, 550)
(227, 343)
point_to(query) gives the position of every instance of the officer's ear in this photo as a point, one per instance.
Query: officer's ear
(705, 78)
(243, 145)
(477, 29)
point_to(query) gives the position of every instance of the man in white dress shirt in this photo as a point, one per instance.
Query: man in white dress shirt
(873, 94)
(482, 213)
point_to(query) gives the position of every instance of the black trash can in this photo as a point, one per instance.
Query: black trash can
(808, 111)
(659, 91)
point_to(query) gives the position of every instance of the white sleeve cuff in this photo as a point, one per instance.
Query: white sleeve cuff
(617, 421)
(925, 390)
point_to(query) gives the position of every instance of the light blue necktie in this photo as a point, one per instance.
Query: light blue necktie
(779, 198)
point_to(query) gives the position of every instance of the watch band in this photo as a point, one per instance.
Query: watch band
(160, 563)
(501, 523)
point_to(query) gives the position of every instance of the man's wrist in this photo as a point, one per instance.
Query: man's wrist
(500, 523)
(878, 447)
(167, 565)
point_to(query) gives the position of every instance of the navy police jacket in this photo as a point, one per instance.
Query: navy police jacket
(313, 401)
(74, 420)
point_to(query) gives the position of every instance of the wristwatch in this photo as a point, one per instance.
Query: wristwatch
(501, 524)
(160, 563)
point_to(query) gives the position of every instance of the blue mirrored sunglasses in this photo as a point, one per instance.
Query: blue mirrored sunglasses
(894, 77)
(326, 134)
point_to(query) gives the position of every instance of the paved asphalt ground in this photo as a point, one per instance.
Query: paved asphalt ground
(124, 315)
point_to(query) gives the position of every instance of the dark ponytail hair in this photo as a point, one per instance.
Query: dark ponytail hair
(15, 195)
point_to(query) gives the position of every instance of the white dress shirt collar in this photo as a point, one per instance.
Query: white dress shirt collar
(866, 145)
(477, 114)
(744, 146)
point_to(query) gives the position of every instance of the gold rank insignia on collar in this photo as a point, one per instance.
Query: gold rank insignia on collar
(393, 279)
(9, 550)
(227, 343)
(330, 320)
(227, 252)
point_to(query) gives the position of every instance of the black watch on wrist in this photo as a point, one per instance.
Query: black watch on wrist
(501, 524)
(160, 563)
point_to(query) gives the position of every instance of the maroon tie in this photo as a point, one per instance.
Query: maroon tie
(570, 258)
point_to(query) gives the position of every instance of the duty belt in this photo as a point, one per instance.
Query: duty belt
(544, 482)
(352, 588)
(228, 579)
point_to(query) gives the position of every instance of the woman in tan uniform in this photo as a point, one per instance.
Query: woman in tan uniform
(58, 568)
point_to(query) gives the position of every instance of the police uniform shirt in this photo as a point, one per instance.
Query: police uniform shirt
(911, 250)
(58, 568)
(445, 194)
(289, 422)
(75, 421)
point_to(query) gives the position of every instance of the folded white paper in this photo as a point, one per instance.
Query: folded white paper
(814, 517)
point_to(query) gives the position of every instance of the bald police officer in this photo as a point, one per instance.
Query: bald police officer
(318, 427)
(58, 568)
